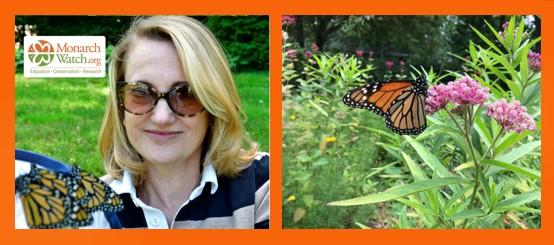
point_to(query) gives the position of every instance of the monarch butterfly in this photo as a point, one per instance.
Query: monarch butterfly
(401, 103)
(61, 199)
(100, 196)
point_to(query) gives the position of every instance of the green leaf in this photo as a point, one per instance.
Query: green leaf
(321, 161)
(400, 191)
(318, 108)
(486, 40)
(403, 219)
(308, 200)
(530, 173)
(483, 131)
(362, 225)
(466, 214)
(519, 152)
(509, 140)
(427, 213)
(519, 200)
(417, 172)
(428, 158)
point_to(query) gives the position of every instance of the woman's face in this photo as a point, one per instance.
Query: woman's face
(161, 136)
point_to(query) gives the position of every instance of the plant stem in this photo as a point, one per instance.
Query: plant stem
(454, 120)
(490, 148)
(475, 161)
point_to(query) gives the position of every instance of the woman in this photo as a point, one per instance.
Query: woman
(171, 136)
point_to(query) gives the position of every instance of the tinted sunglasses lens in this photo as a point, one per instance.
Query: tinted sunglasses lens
(137, 98)
(183, 101)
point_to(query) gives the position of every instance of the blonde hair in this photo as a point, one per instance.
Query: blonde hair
(206, 69)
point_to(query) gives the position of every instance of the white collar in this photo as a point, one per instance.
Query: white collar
(125, 185)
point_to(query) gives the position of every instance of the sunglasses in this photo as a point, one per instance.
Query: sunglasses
(140, 98)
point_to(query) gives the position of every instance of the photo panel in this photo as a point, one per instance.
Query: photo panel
(112, 111)
(407, 121)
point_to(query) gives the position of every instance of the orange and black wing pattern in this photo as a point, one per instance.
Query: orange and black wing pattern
(401, 103)
(63, 199)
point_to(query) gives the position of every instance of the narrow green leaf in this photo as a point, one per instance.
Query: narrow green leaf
(403, 219)
(428, 158)
(416, 171)
(519, 200)
(400, 191)
(486, 40)
(362, 225)
(420, 208)
(509, 140)
(519, 152)
(530, 173)
(466, 214)
(483, 131)
(318, 108)
(463, 166)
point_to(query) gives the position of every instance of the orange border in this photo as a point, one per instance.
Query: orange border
(274, 8)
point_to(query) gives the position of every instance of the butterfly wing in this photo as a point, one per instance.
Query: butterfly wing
(407, 114)
(376, 97)
(401, 103)
(43, 209)
(56, 200)
(100, 196)
(44, 198)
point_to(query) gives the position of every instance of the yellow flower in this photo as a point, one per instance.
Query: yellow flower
(330, 139)
(291, 198)
(292, 117)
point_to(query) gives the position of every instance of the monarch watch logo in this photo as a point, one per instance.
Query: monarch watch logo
(41, 52)
(64, 56)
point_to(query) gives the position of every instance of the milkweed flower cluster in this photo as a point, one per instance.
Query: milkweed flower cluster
(359, 53)
(308, 54)
(463, 91)
(315, 48)
(534, 61)
(291, 54)
(437, 98)
(467, 91)
(389, 64)
(512, 116)
(288, 20)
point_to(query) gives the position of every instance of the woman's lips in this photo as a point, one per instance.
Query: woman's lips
(160, 135)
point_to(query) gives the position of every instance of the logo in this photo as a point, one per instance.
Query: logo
(41, 52)
(64, 56)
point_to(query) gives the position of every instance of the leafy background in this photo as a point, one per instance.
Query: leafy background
(342, 168)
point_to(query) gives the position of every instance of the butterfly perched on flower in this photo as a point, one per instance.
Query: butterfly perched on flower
(401, 103)
(54, 199)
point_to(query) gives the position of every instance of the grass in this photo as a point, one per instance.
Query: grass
(61, 117)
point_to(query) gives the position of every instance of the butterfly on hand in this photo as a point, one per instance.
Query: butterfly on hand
(401, 103)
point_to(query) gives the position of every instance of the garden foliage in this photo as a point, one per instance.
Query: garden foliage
(476, 166)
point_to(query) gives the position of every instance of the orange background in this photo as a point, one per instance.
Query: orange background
(273, 8)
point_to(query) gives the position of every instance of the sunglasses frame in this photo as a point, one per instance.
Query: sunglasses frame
(121, 97)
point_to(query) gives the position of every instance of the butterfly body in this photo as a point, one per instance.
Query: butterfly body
(401, 103)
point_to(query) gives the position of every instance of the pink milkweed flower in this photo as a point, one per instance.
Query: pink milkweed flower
(315, 48)
(402, 63)
(359, 53)
(512, 116)
(287, 20)
(534, 61)
(308, 54)
(389, 64)
(291, 54)
(467, 91)
(437, 98)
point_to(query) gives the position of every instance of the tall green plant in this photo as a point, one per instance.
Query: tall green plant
(480, 158)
